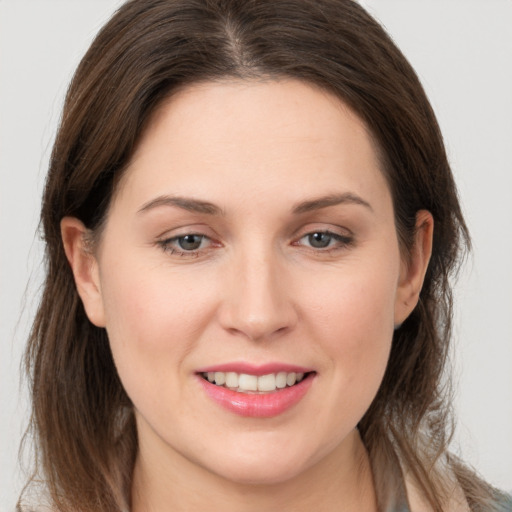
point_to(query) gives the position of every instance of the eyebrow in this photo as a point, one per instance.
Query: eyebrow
(205, 207)
(331, 200)
(185, 203)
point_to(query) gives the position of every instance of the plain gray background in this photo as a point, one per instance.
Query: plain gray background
(462, 50)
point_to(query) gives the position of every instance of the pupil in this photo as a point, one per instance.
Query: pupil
(319, 240)
(190, 242)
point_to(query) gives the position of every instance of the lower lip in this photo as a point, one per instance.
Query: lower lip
(256, 405)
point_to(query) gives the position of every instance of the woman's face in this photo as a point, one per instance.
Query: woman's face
(252, 237)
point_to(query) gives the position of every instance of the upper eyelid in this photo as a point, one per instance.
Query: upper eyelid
(340, 238)
(169, 245)
(297, 234)
(323, 228)
(327, 232)
(342, 241)
(204, 230)
(169, 239)
(177, 232)
(164, 237)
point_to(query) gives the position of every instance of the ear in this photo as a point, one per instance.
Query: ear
(84, 266)
(412, 273)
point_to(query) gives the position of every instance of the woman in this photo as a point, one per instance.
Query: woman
(250, 224)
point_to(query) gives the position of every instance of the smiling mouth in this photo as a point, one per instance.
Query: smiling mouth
(253, 384)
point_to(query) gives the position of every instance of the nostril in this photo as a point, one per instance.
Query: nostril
(257, 306)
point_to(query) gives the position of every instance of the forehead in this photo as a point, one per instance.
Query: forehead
(253, 136)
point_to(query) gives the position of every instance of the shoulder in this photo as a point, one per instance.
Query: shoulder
(32, 507)
(457, 500)
(456, 503)
(506, 503)
(35, 498)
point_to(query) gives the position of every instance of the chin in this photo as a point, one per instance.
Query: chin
(274, 469)
(261, 476)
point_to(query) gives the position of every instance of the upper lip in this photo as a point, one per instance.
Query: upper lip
(252, 369)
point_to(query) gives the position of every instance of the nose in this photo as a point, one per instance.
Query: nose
(257, 302)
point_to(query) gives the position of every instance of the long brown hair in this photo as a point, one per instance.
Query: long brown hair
(82, 419)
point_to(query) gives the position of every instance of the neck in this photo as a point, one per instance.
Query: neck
(171, 482)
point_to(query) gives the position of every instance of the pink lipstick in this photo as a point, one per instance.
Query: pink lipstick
(256, 391)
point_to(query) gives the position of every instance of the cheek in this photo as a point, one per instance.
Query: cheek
(153, 320)
(354, 309)
(152, 305)
(351, 315)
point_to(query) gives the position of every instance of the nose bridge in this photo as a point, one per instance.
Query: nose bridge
(257, 301)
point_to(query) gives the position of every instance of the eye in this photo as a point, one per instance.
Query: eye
(319, 240)
(325, 240)
(190, 244)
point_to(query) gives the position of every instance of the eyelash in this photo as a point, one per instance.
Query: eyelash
(166, 245)
(342, 242)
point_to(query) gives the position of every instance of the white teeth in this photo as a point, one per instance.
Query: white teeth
(248, 382)
(220, 378)
(231, 380)
(281, 380)
(244, 382)
(267, 382)
(291, 378)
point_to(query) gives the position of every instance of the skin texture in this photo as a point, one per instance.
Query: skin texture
(255, 291)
